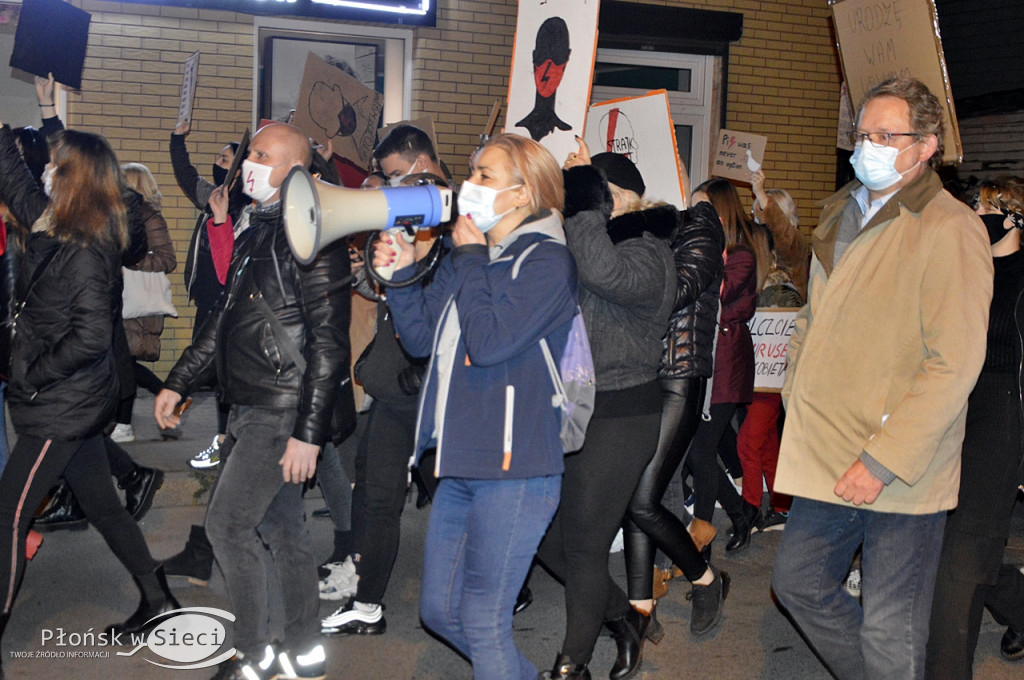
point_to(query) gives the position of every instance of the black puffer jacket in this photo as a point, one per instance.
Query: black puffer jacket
(63, 383)
(698, 247)
(312, 304)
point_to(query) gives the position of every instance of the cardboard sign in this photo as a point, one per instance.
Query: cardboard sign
(51, 38)
(770, 329)
(552, 69)
(737, 155)
(879, 39)
(188, 89)
(335, 106)
(641, 129)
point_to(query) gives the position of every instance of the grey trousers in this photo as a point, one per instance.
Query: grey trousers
(252, 511)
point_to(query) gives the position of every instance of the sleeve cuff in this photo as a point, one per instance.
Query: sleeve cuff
(877, 469)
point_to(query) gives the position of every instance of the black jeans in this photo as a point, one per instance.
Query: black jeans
(598, 482)
(382, 475)
(648, 523)
(969, 574)
(710, 483)
(34, 467)
(253, 511)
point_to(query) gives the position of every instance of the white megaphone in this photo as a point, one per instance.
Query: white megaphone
(317, 213)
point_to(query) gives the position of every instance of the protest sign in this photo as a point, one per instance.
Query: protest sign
(737, 155)
(51, 38)
(641, 129)
(188, 89)
(770, 329)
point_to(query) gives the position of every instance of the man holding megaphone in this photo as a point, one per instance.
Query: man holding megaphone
(279, 342)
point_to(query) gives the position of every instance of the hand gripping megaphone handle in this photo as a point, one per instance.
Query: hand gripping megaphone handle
(387, 271)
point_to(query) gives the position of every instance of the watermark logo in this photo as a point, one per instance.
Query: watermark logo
(190, 637)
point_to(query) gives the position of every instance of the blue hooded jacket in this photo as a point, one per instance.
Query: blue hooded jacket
(486, 399)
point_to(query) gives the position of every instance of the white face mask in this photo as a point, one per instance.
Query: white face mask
(478, 202)
(256, 180)
(47, 178)
(875, 166)
(397, 181)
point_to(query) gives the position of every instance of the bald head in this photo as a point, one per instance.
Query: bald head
(280, 147)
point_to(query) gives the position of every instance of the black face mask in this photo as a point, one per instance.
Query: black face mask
(219, 175)
(996, 230)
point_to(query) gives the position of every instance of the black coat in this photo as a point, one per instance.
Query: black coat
(63, 384)
(697, 247)
(253, 365)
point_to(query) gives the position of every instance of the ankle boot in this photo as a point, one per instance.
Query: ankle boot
(195, 561)
(741, 528)
(566, 669)
(629, 632)
(63, 513)
(156, 599)
(139, 488)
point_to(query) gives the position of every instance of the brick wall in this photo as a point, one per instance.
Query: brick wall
(783, 83)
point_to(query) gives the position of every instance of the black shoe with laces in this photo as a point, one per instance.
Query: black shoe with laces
(708, 602)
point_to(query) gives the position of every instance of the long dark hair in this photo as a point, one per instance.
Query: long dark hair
(739, 229)
(86, 206)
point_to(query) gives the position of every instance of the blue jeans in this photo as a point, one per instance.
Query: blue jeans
(884, 635)
(481, 539)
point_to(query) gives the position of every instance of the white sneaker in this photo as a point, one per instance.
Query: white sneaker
(208, 457)
(852, 584)
(355, 617)
(341, 582)
(122, 433)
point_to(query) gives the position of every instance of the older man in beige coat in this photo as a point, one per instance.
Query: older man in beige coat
(882, 360)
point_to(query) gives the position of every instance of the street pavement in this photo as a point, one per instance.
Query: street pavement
(76, 586)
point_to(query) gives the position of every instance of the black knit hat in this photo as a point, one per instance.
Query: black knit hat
(620, 171)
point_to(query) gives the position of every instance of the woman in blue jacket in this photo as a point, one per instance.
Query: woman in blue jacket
(486, 400)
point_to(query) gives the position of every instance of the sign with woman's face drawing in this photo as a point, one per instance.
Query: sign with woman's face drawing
(552, 69)
(335, 106)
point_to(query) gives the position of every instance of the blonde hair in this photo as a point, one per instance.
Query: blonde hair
(138, 177)
(786, 204)
(630, 200)
(533, 165)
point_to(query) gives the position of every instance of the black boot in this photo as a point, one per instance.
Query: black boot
(629, 632)
(566, 669)
(195, 561)
(742, 525)
(156, 599)
(63, 513)
(139, 488)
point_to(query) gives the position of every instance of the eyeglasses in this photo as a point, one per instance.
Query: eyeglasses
(878, 139)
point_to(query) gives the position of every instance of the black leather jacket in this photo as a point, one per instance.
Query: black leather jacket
(698, 247)
(253, 364)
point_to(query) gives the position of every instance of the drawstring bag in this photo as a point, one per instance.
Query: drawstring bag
(574, 383)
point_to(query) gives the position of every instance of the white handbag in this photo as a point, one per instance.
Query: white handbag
(146, 294)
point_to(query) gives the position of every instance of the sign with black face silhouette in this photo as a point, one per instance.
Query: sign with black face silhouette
(333, 106)
(552, 69)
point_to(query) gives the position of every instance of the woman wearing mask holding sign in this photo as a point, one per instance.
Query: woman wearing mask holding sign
(486, 400)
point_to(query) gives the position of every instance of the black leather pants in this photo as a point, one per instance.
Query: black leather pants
(648, 524)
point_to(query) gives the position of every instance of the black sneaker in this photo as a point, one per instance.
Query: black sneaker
(240, 667)
(310, 665)
(773, 520)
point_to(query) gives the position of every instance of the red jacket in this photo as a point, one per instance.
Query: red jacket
(734, 354)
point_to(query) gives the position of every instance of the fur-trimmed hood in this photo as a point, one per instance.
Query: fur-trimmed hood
(660, 221)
